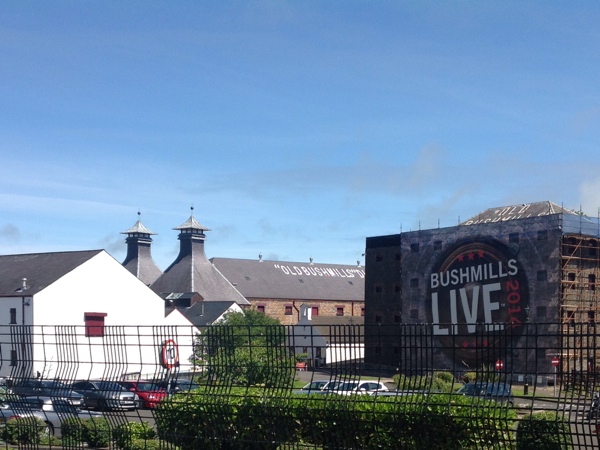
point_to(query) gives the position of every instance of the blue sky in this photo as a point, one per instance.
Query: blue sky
(295, 129)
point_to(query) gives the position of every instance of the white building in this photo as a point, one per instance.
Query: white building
(81, 314)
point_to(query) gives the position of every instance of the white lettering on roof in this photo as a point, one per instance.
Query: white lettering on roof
(313, 271)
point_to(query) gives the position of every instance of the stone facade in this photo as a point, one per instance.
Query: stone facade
(287, 311)
(513, 278)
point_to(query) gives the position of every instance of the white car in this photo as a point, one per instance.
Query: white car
(360, 387)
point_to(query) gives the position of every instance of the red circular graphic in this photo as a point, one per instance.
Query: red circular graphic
(477, 301)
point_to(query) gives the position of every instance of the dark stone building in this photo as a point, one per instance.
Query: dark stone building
(481, 288)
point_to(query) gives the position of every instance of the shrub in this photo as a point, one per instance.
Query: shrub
(24, 430)
(96, 431)
(125, 435)
(544, 430)
(442, 382)
(72, 432)
(145, 444)
(469, 377)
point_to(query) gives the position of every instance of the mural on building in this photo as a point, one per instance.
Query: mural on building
(477, 281)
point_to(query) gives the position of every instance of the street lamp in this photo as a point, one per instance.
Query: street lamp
(526, 387)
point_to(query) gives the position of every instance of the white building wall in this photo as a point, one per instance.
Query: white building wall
(344, 352)
(135, 325)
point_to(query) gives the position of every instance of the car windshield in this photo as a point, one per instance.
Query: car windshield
(110, 386)
(53, 384)
(147, 387)
(472, 389)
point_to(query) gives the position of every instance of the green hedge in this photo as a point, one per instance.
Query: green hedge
(24, 430)
(127, 436)
(260, 419)
(544, 430)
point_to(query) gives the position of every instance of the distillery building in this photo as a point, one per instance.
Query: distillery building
(275, 288)
(503, 288)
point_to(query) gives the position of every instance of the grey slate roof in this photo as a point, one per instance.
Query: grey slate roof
(193, 272)
(202, 314)
(138, 228)
(40, 269)
(196, 274)
(293, 280)
(569, 221)
(513, 212)
(192, 224)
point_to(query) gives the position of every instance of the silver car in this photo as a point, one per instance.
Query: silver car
(53, 411)
(105, 395)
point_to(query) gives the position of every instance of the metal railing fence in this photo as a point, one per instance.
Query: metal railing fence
(243, 387)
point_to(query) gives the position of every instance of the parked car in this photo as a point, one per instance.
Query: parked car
(315, 385)
(500, 392)
(178, 385)
(149, 393)
(53, 411)
(46, 388)
(360, 387)
(106, 395)
(9, 412)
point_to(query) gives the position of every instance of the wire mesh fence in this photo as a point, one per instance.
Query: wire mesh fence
(400, 386)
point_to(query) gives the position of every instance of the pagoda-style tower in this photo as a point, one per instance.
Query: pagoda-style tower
(192, 272)
(139, 259)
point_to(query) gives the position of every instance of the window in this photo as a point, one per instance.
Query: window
(339, 311)
(542, 275)
(378, 289)
(13, 357)
(94, 324)
(591, 317)
(378, 258)
(13, 316)
(414, 313)
(414, 282)
(397, 288)
(378, 318)
(414, 247)
(260, 308)
(437, 245)
(592, 282)
(513, 238)
(397, 318)
(362, 311)
(315, 310)
(288, 310)
(542, 235)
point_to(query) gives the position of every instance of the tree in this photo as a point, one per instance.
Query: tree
(245, 349)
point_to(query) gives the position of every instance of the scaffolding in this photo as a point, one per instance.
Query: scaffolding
(580, 303)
